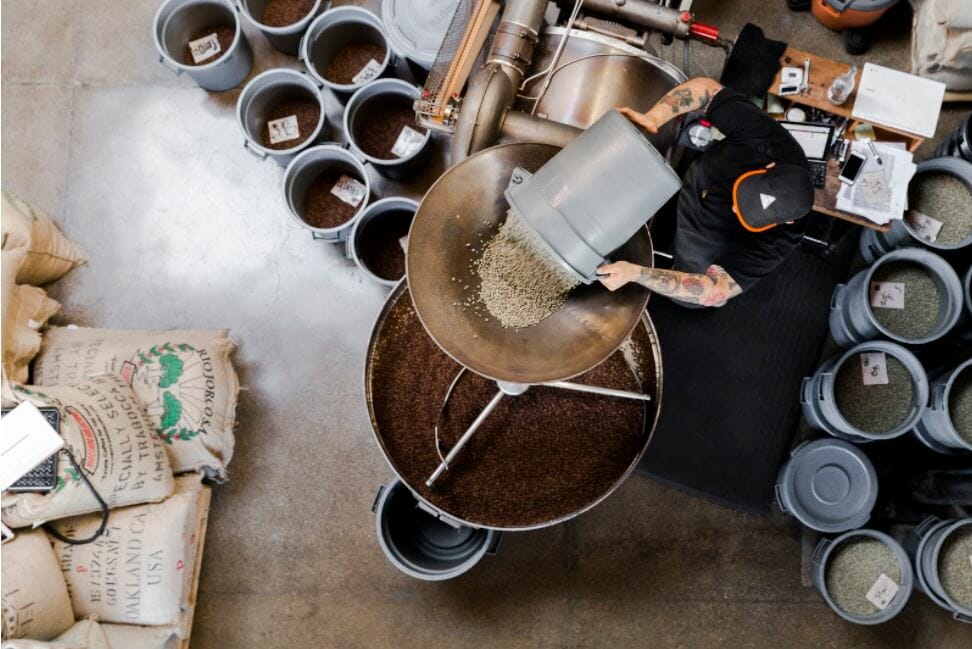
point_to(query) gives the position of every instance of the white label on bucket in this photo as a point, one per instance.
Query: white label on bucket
(874, 368)
(888, 295)
(283, 129)
(409, 141)
(882, 592)
(924, 226)
(368, 72)
(205, 47)
(349, 190)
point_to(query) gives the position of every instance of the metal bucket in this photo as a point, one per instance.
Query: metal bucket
(370, 216)
(818, 574)
(819, 401)
(261, 94)
(374, 98)
(927, 540)
(423, 544)
(334, 30)
(286, 38)
(936, 429)
(592, 196)
(177, 21)
(305, 168)
(874, 244)
(851, 318)
(416, 27)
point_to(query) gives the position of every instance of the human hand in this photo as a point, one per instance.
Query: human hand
(644, 120)
(616, 275)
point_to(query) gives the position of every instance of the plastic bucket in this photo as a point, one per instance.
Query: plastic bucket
(819, 400)
(395, 213)
(178, 21)
(928, 539)
(829, 485)
(852, 320)
(959, 143)
(286, 38)
(594, 194)
(874, 244)
(823, 553)
(259, 97)
(307, 167)
(936, 429)
(843, 14)
(372, 100)
(423, 544)
(334, 30)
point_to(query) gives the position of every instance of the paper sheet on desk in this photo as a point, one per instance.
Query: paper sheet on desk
(881, 191)
(899, 100)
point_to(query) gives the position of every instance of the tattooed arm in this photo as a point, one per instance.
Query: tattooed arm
(694, 94)
(713, 288)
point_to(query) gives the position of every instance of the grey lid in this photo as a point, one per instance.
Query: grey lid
(829, 485)
(416, 27)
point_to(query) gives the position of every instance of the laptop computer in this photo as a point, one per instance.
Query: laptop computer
(815, 140)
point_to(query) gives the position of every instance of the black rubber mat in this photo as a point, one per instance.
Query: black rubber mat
(730, 395)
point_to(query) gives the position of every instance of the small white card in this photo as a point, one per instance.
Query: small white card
(349, 190)
(403, 242)
(925, 226)
(888, 295)
(283, 129)
(368, 72)
(26, 440)
(409, 141)
(874, 368)
(882, 592)
(205, 47)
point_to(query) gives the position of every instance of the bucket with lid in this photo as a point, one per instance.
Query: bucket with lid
(911, 296)
(941, 551)
(424, 543)
(204, 39)
(874, 391)
(829, 485)
(283, 22)
(345, 48)
(946, 422)
(326, 188)
(416, 28)
(592, 196)
(865, 576)
(375, 240)
(281, 112)
(939, 215)
(379, 122)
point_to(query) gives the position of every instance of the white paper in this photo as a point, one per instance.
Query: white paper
(205, 47)
(408, 142)
(900, 100)
(26, 440)
(349, 190)
(882, 592)
(924, 226)
(368, 72)
(403, 242)
(888, 295)
(874, 368)
(881, 191)
(33, 324)
(283, 129)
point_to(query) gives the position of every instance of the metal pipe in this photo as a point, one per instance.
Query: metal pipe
(646, 14)
(594, 389)
(464, 439)
(522, 127)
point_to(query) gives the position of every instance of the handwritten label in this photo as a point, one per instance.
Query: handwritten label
(349, 190)
(874, 368)
(924, 226)
(283, 129)
(409, 141)
(888, 295)
(882, 592)
(205, 47)
(368, 72)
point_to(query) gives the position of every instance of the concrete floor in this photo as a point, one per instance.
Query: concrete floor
(147, 174)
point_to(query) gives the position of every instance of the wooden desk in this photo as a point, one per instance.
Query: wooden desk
(822, 73)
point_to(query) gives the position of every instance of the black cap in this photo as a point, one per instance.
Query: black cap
(768, 197)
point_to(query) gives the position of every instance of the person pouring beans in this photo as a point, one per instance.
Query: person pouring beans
(741, 207)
